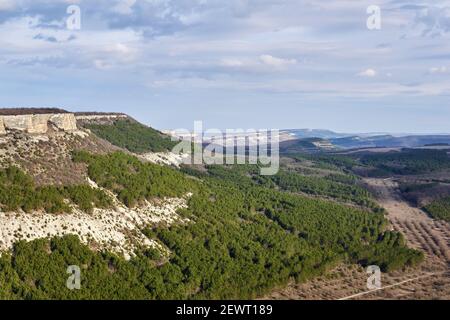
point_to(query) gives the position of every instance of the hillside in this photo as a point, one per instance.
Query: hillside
(365, 140)
(126, 133)
(315, 133)
(305, 145)
(386, 141)
(141, 230)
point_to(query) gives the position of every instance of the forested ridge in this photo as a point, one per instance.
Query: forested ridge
(342, 187)
(133, 136)
(132, 180)
(244, 238)
(408, 161)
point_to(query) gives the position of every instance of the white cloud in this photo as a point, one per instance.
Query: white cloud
(124, 7)
(439, 70)
(276, 62)
(233, 63)
(369, 73)
(101, 65)
(120, 49)
(208, 45)
(434, 20)
(325, 88)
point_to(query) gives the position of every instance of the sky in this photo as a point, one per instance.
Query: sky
(274, 64)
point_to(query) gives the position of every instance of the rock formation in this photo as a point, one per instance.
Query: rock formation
(37, 123)
(2, 127)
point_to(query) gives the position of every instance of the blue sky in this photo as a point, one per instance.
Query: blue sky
(234, 64)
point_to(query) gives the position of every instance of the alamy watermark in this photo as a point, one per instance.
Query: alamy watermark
(232, 146)
(374, 279)
(73, 22)
(74, 280)
(374, 19)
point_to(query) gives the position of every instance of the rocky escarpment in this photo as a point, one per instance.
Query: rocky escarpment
(41, 143)
(118, 229)
(37, 123)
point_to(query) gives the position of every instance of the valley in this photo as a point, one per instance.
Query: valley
(201, 157)
(105, 193)
(430, 281)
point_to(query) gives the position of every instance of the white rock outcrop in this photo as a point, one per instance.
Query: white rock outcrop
(64, 121)
(167, 158)
(118, 229)
(37, 123)
(2, 127)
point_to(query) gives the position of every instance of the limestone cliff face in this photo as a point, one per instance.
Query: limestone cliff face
(37, 123)
(2, 127)
(64, 121)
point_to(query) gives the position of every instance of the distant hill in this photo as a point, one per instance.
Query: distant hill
(391, 141)
(364, 140)
(305, 145)
(315, 133)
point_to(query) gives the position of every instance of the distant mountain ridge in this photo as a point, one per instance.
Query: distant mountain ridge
(369, 140)
(414, 141)
(315, 133)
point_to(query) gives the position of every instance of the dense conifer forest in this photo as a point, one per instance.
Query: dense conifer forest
(244, 236)
(133, 136)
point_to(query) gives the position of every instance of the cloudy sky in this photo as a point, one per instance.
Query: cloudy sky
(234, 63)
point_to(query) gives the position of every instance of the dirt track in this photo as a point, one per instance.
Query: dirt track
(429, 281)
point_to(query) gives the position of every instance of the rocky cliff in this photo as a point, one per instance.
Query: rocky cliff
(37, 123)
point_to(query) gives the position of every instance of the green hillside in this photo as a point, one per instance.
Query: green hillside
(18, 191)
(243, 240)
(133, 136)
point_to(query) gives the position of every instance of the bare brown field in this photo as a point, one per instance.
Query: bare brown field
(431, 280)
